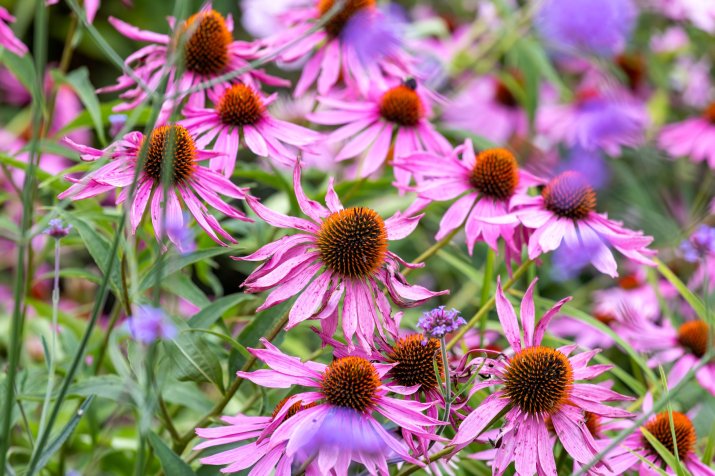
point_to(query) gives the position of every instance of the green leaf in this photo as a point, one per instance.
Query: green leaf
(194, 358)
(252, 333)
(79, 81)
(683, 290)
(207, 316)
(171, 463)
(169, 266)
(663, 452)
(111, 387)
(98, 247)
(60, 439)
(182, 285)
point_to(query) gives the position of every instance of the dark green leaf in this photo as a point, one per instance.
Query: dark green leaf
(213, 312)
(170, 462)
(173, 264)
(79, 81)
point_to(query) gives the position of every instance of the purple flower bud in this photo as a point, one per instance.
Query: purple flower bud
(439, 322)
(699, 245)
(148, 324)
(56, 229)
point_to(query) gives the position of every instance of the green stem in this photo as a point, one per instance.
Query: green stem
(447, 382)
(19, 289)
(486, 290)
(429, 252)
(484, 310)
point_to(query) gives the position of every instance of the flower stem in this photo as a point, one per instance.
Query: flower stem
(486, 307)
(411, 468)
(486, 290)
(53, 339)
(433, 249)
(447, 382)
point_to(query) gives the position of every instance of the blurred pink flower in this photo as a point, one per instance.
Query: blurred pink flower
(692, 137)
(8, 39)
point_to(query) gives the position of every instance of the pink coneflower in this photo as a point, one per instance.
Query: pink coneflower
(401, 110)
(629, 454)
(331, 53)
(240, 115)
(486, 184)
(692, 138)
(188, 179)
(261, 453)
(500, 114)
(683, 346)
(538, 383)
(338, 423)
(209, 52)
(564, 215)
(8, 39)
(347, 249)
(596, 119)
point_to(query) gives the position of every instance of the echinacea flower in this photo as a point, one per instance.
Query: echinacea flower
(339, 421)
(260, 453)
(239, 115)
(500, 114)
(8, 39)
(692, 138)
(484, 184)
(683, 347)
(595, 120)
(636, 446)
(330, 54)
(188, 179)
(564, 215)
(369, 125)
(345, 249)
(209, 51)
(149, 324)
(535, 384)
(600, 27)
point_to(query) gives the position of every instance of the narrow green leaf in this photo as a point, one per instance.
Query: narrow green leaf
(171, 463)
(64, 434)
(207, 316)
(682, 288)
(663, 452)
(21, 67)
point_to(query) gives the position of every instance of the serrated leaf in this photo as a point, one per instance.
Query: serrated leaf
(80, 83)
(171, 463)
(207, 316)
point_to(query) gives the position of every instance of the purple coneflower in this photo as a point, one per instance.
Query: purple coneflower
(401, 111)
(239, 115)
(209, 52)
(564, 215)
(692, 138)
(486, 184)
(535, 384)
(347, 249)
(337, 423)
(188, 179)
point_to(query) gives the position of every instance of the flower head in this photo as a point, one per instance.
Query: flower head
(537, 384)
(700, 244)
(335, 421)
(187, 180)
(344, 252)
(57, 229)
(691, 138)
(209, 51)
(368, 126)
(149, 324)
(440, 321)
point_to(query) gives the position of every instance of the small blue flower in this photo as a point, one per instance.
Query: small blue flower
(57, 229)
(148, 324)
(699, 245)
(439, 322)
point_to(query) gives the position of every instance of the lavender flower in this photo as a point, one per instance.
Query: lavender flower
(439, 322)
(57, 229)
(149, 324)
(599, 27)
(699, 245)
(375, 34)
